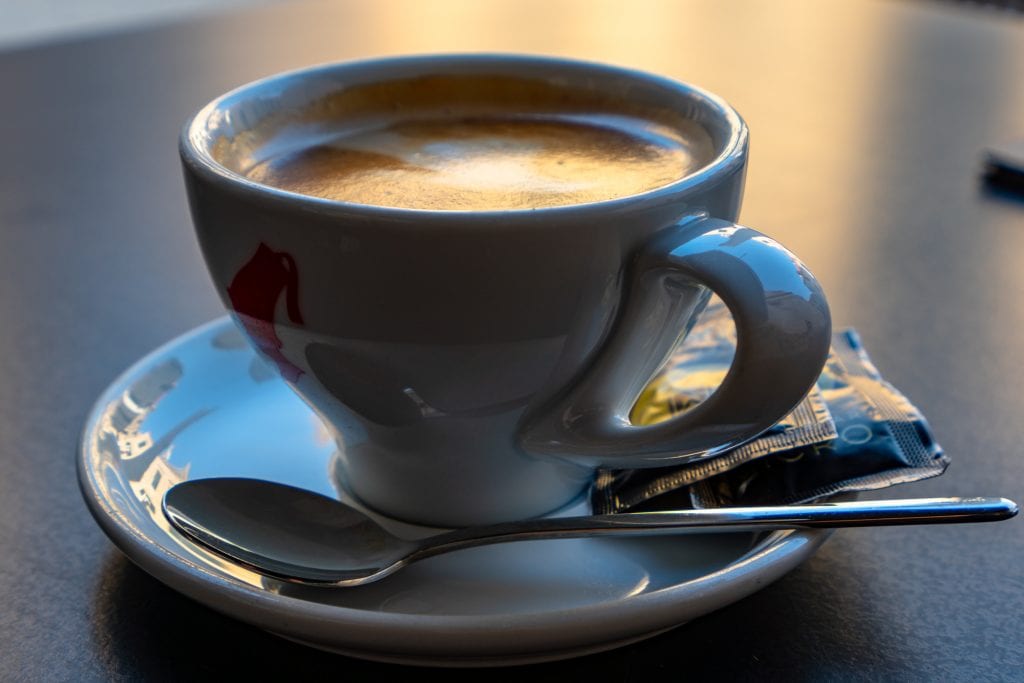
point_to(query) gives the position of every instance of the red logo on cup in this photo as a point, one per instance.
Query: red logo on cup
(255, 292)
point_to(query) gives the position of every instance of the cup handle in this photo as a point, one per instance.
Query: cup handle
(783, 333)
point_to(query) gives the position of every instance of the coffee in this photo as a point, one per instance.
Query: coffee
(487, 162)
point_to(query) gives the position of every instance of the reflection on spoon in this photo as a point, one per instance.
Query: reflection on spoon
(302, 537)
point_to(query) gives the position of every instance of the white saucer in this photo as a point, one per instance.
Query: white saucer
(204, 406)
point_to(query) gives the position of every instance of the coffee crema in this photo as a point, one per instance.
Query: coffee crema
(486, 161)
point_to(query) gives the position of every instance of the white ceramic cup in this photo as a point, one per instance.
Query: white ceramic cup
(478, 366)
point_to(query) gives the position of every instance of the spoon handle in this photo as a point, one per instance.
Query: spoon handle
(816, 516)
(831, 515)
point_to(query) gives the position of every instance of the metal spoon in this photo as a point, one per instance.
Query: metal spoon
(302, 537)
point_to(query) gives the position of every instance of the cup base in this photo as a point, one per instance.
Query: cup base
(411, 529)
(544, 489)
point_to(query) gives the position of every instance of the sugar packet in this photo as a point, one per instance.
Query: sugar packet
(882, 440)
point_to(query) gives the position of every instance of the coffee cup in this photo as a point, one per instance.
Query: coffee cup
(470, 266)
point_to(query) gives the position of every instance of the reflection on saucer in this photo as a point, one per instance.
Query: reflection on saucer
(136, 465)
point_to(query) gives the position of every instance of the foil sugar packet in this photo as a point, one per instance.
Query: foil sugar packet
(881, 440)
(693, 372)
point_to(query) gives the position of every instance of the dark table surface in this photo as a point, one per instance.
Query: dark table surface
(868, 122)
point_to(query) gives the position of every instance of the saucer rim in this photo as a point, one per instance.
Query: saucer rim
(432, 639)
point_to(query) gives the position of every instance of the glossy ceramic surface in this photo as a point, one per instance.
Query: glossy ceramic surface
(477, 366)
(205, 405)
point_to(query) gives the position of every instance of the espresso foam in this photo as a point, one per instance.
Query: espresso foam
(487, 162)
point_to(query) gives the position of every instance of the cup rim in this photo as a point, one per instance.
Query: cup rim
(196, 155)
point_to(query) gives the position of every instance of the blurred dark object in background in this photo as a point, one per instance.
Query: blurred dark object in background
(1012, 6)
(1004, 167)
